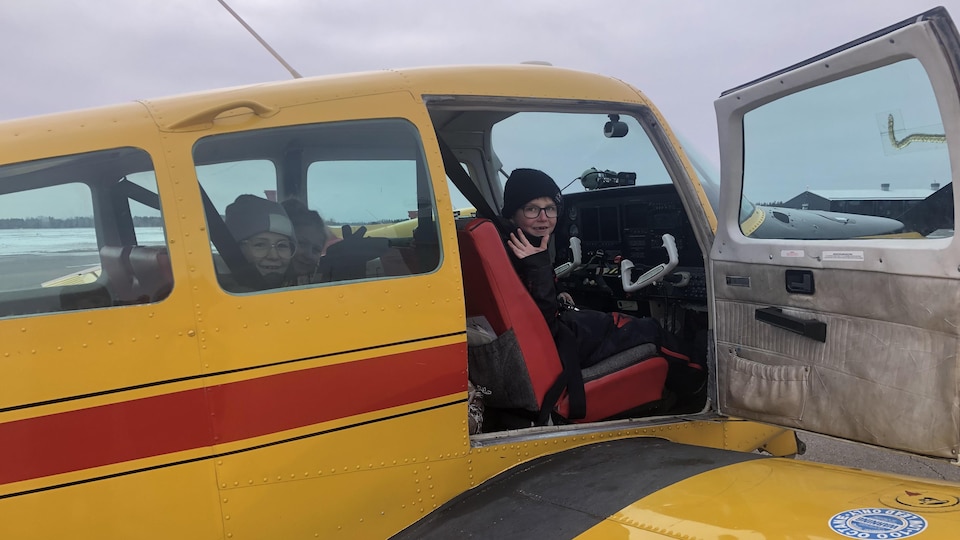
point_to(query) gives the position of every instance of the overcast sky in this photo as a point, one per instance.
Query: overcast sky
(63, 54)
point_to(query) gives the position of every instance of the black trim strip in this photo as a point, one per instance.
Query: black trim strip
(233, 452)
(220, 373)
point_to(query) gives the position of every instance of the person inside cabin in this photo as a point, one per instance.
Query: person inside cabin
(533, 204)
(313, 238)
(266, 237)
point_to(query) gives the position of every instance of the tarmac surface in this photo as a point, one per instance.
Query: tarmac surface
(838, 452)
(29, 270)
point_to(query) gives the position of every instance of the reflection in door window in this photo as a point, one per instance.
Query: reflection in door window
(863, 156)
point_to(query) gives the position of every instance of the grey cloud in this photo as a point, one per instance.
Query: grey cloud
(64, 54)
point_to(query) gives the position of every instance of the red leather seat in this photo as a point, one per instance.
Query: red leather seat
(625, 382)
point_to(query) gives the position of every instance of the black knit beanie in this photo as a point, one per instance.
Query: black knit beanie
(525, 185)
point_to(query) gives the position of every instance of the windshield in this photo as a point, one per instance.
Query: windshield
(566, 145)
(709, 176)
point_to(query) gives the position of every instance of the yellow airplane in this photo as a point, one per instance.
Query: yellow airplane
(404, 384)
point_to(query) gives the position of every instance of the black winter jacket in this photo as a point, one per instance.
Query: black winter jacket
(589, 335)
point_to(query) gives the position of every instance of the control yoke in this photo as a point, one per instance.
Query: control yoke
(567, 267)
(656, 273)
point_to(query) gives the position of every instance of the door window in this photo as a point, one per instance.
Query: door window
(860, 157)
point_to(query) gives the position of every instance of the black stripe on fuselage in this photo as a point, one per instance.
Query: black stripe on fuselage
(565, 494)
(221, 373)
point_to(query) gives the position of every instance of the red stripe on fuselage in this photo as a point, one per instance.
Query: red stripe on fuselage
(203, 417)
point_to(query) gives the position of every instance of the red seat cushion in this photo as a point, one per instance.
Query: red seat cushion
(629, 388)
(493, 289)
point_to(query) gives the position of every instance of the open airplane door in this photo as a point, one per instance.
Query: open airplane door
(837, 329)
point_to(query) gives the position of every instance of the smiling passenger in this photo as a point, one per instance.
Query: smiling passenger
(313, 238)
(265, 234)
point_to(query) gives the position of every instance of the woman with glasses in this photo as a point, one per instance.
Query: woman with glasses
(265, 235)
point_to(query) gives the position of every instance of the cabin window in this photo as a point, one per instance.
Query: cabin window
(318, 204)
(81, 232)
(860, 157)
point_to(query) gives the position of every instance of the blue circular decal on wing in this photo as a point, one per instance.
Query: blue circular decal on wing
(877, 523)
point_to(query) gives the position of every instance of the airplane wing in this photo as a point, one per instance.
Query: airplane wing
(651, 487)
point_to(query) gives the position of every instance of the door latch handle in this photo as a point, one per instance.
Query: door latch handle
(799, 281)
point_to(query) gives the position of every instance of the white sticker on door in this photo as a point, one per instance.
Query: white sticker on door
(852, 256)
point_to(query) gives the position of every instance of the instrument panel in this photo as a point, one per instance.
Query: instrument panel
(629, 223)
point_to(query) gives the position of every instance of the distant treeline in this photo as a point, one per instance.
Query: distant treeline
(46, 222)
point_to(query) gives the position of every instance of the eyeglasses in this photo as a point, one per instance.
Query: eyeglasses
(261, 248)
(533, 212)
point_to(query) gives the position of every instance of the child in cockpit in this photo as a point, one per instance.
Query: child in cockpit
(532, 203)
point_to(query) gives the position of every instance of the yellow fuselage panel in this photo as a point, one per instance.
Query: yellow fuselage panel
(166, 502)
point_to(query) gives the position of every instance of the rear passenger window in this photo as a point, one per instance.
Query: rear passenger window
(317, 204)
(81, 232)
